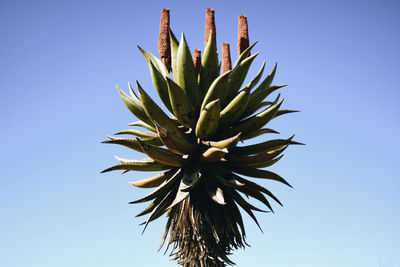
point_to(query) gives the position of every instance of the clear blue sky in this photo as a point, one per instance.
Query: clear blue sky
(60, 62)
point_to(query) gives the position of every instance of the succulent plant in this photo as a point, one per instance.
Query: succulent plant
(194, 141)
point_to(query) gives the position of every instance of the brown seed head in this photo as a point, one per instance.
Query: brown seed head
(210, 25)
(197, 60)
(226, 58)
(164, 46)
(243, 34)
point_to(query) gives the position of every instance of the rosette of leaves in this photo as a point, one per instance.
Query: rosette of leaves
(193, 140)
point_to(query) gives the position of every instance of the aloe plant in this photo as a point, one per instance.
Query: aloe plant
(194, 140)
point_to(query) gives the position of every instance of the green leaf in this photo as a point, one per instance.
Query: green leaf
(260, 147)
(182, 107)
(135, 106)
(161, 86)
(257, 173)
(161, 189)
(209, 66)
(174, 53)
(186, 74)
(138, 165)
(237, 77)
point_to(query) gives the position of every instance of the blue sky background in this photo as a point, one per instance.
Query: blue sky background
(60, 62)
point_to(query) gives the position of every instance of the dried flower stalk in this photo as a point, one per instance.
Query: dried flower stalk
(164, 46)
(226, 58)
(210, 25)
(197, 60)
(243, 34)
